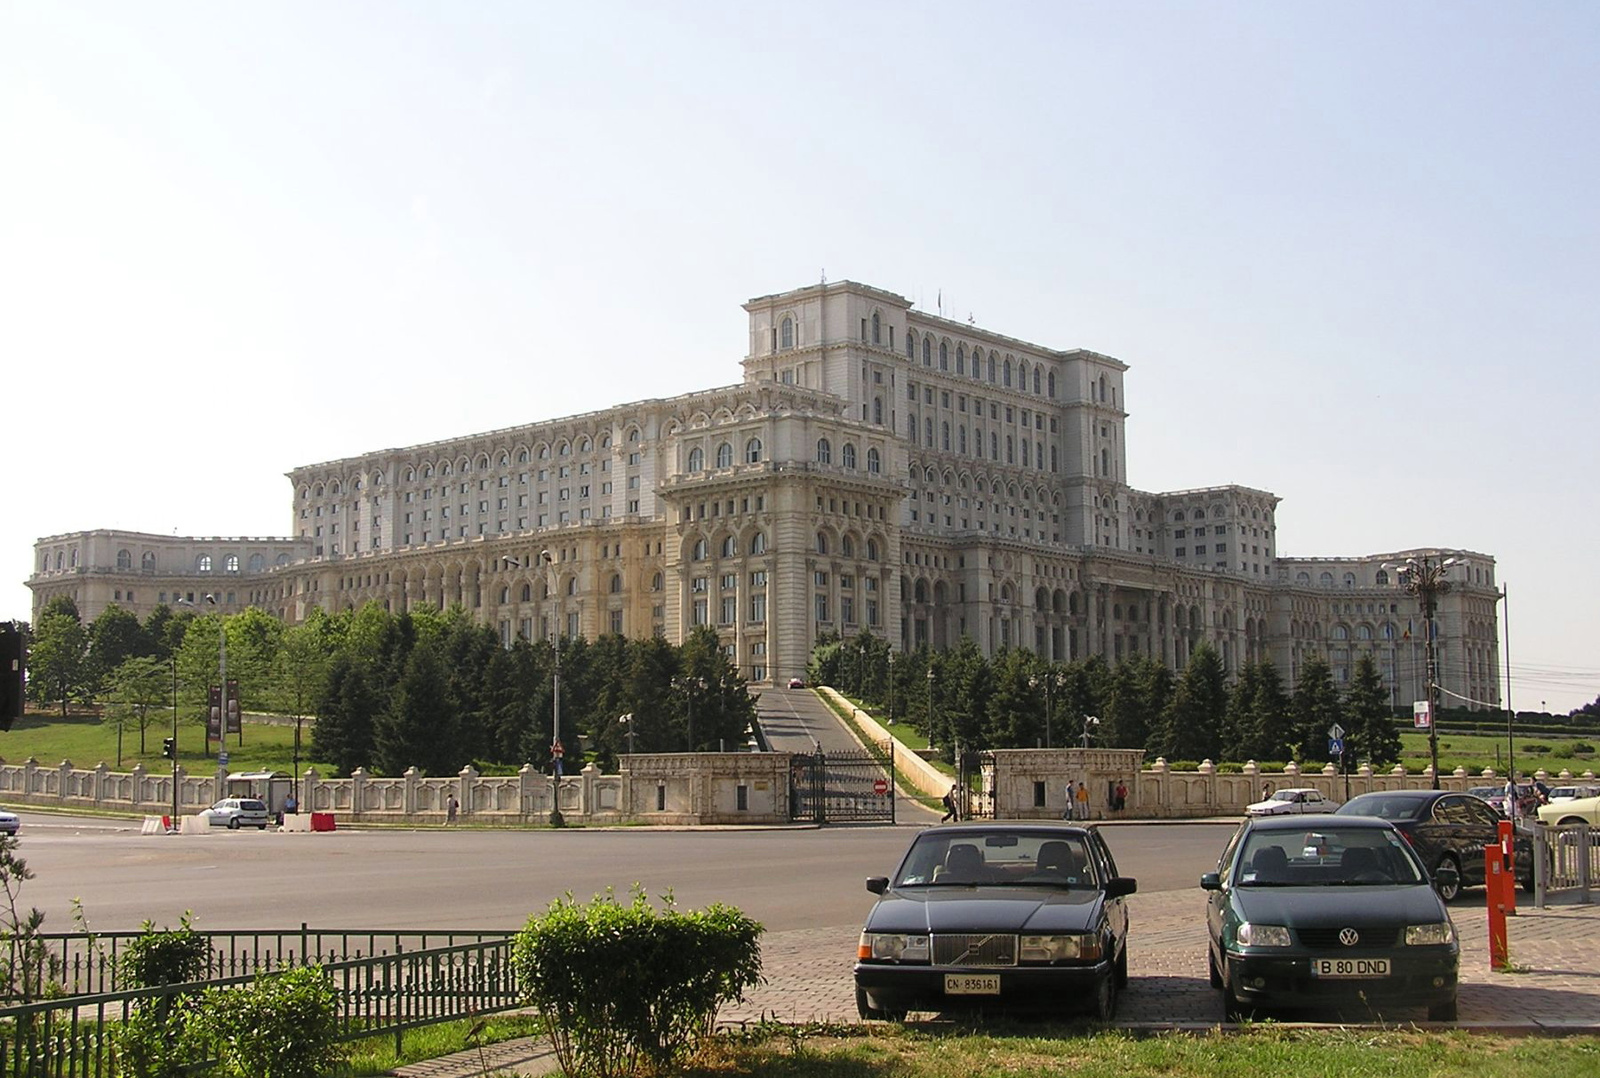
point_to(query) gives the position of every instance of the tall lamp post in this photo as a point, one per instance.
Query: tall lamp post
(891, 686)
(174, 659)
(1089, 723)
(1424, 577)
(691, 684)
(556, 752)
(1051, 679)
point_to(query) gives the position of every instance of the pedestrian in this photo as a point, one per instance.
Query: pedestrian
(952, 807)
(1511, 797)
(1119, 800)
(1082, 798)
(1266, 791)
(450, 807)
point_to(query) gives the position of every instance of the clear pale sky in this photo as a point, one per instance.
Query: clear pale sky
(1350, 250)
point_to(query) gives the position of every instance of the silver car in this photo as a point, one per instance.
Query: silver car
(9, 823)
(236, 812)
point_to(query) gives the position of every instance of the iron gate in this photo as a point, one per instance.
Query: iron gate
(842, 787)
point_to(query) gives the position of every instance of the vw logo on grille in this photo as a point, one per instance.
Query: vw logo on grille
(1349, 937)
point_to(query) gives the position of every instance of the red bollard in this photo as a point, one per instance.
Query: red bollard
(1494, 878)
(1508, 858)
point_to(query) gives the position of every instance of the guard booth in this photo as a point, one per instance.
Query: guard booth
(273, 787)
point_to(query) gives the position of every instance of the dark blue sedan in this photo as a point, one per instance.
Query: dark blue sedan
(997, 916)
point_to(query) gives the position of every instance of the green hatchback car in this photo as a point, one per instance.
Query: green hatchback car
(1330, 913)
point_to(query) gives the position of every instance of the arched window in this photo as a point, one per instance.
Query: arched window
(847, 455)
(124, 560)
(824, 451)
(1326, 580)
(758, 543)
(527, 593)
(1052, 384)
(752, 451)
(961, 360)
(991, 368)
(1302, 578)
(616, 583)
(1036, 381)
(203, 563)
(697, 460)
(572, 585)
(230, 564)
(822, 543)
(786, 333)
(730, 547)
(1008, 371)
(874, 461)
(877, 331)
(911, 345)
(877, 410)
(944, 436)
(283, 559)
(1349, 580)
(147, 562)
(655, 582)
(505, 596)
(847, 547)
(872, 550)
(701, 547)
(1383, 577)
(944, 355)
(724, 455)
(927, 352)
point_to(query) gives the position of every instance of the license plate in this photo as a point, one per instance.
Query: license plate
(972, 984)
(1349, 967)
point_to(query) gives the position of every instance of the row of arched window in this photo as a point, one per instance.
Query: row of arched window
(995, 369)
(696, 461)
(847, 456)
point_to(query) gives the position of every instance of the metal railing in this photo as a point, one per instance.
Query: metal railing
(90, 963)
(1566, 859)
(379, 994)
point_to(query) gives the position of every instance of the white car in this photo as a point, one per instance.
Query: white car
(9, 823)
(1288, 802)
(1560, 794)
(236, 812)
(1583, 810)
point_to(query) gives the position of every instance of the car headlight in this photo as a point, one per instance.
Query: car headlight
(1079, 948)
(1430, 935)
(1250, 935)
(892, 947)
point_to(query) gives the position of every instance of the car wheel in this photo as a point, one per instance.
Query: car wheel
(1122, 967)
(870, 1013)
(1104, 1007)
(1443, 1012)
(1234, 1009)
(1216, 974)
(261, 827)
(233, 823)
(1448, 891)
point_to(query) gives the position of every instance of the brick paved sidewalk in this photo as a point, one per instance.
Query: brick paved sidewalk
(1555, 955)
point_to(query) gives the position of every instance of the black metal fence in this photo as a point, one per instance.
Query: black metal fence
(842, 787)
(394, 986)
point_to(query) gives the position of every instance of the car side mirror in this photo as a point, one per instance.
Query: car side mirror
(1446, 878)
(1117, 886)
(877, 884)
(1211, 881)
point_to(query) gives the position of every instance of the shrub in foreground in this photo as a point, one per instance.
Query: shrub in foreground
(626, 986)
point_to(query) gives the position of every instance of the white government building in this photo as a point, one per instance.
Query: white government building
(878, 469)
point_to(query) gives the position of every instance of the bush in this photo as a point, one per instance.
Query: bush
(624, 986)
(1582, 746)
(154, 1042)
(286, 1025)
(1534, 747)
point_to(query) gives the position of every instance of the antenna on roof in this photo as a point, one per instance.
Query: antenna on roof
(941, 303)
(824, 274)
(971, 321)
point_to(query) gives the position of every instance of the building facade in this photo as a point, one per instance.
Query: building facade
(878, 469)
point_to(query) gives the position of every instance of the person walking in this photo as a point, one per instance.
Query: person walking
(450, 807)
(952, 806)
(1119, 800)
(1082, 799)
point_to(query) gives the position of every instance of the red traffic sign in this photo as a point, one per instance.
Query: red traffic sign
(556, 749)
(880, 787)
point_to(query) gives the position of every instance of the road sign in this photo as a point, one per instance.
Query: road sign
(1421, 715)
(880, 787)
(1335, 745)
(1336, 731)
(556, 750)
(222, 758)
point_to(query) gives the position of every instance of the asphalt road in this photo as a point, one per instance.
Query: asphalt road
(493, 879)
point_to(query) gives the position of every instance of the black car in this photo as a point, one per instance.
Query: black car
(1328, 912)
(1447, 829)
(1006, 915)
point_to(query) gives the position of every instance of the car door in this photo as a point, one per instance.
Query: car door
(1116, 908)
(1311, 801)
(1459, 833)
(1485, 831)
(1216, 901)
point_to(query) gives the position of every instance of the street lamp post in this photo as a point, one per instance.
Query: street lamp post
(1089, 722)
(173, 657)
(556, 819)
(691, 685)
(627, 720)
(1424, 577)
(891, 687)
(1051, 680)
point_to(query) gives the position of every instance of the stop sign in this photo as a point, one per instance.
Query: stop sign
(880, 787)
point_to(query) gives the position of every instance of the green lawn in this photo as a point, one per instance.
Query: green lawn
(1478, 751)
(86, 741)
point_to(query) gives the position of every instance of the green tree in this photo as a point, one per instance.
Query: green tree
(1141, 688)
(138, 693)
(347, 715)
(1192, 723)
(1316, 707)
(418, 729)
(58, 663)
(1374, 736)
(114, 637)
(1015, 717)
(1238, 727)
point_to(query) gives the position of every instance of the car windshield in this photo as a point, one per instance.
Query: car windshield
(252, 806)
(1383, 806)
(1326, 857)
(998, 858)
(1285, 795)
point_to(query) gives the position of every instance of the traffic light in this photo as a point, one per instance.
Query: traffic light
(169, 748)
(11, 674)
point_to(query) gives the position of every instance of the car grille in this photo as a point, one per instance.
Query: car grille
(975, 949)
(1328, 938)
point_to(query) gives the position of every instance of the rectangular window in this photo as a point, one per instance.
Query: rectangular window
(758, 579)
(758, 607)
(700, 612)
(822, 607)
(847, 610)
(819, 578)
(699, 583)
(730, 610)
(730, 581)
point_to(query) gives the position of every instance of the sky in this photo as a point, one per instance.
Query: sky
(1349, 251)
